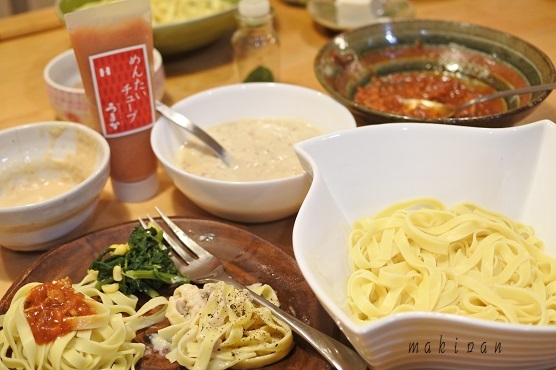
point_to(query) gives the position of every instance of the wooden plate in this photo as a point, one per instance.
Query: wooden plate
(246, 257)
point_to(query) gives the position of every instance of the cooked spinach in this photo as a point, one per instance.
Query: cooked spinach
(145, 266)
(260, 74)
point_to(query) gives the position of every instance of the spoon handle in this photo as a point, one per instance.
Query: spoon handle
(504, 93)
(186, 123)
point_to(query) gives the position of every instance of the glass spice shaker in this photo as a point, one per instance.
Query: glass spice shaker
(255, 43)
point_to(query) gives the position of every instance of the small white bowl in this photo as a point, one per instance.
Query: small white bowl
(360, 172)
(65, 91)
(346, 15)
(257, 201)
(50, 150)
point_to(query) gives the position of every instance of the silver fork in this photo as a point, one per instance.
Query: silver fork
(204, 268)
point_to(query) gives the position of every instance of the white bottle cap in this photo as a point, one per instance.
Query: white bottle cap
(254, 8)
(135, 191)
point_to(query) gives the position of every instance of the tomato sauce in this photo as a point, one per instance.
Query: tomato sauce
(389, 93)
(48, 306)
(453, 78)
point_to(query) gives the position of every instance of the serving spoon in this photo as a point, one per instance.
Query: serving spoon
(185, 123)
(448, 111)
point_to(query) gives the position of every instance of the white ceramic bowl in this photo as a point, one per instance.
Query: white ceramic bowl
(258, 201)
(65, 91)
(45, 223)
(339, 16)
(359, 172)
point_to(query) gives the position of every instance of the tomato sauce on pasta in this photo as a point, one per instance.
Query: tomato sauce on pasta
(49, 305)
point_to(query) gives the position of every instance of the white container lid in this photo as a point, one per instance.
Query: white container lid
(254, 8)
(135, 191)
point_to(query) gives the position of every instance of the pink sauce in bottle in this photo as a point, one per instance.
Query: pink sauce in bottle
(113, 46)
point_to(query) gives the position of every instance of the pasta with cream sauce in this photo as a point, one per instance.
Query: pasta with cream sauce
(421, 256)
(218, 327)
(102, 341)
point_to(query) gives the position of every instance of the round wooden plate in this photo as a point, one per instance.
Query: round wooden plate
(246, 257)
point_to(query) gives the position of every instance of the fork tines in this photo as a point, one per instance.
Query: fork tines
(185, 239)
(190, 250)
(174, 245)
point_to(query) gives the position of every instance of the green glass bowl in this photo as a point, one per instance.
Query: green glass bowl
(179, 36)
(344, 64)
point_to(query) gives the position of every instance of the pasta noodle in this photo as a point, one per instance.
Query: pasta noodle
(105, 343)
(219, 327)
(168, 11)
(420, 256)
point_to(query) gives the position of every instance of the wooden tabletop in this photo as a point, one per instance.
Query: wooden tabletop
(29, 41)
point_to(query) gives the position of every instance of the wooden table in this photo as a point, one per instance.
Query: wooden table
(29, 41)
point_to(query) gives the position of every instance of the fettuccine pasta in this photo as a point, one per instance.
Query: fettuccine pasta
(105, 342)
(168, 11)
(420, 256)
(219, 327)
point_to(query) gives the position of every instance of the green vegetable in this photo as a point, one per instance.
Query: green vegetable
(145, 267)
(260, 74)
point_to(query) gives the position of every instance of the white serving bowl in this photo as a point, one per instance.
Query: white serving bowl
(257, 201)
(65, 91)
(358, 172)
(77, 151)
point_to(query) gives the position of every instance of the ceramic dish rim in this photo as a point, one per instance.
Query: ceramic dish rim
(224, 89)
(343, 318)
(100, 167)
(160, 26)
(335, 27)
(169, 25)
(361, 109)
(157, 65)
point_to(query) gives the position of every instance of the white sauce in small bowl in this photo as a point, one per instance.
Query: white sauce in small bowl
(30, 183)
(262, 149)
(30, 179)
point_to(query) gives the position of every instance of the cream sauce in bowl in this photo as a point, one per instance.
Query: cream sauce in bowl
(262, 149)
(31, 183)
(57, 164)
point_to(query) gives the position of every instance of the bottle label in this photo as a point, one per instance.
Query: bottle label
(123, 88)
